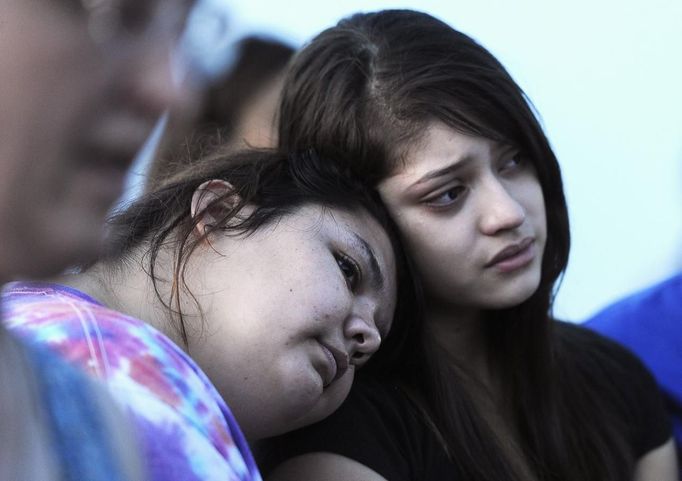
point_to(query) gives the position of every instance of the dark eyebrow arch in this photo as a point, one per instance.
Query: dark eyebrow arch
(377, 280)
(460, 164)
(449, 169)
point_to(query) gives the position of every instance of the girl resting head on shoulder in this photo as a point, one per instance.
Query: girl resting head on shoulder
(260, 279)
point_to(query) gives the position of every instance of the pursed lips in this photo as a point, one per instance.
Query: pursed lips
(337, 363)
(117, 139)
(510, 251)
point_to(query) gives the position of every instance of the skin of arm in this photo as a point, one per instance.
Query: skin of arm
(324, 467)
(659, 464)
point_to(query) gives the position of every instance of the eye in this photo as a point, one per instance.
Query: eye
(81, 7)
(446, 198)
(136, 16)
(350, 269)
(512, 162)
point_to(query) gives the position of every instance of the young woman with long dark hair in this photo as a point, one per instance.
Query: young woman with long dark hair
(257, 281)
(493, 388)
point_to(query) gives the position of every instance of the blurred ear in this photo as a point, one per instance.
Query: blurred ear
(205, 210)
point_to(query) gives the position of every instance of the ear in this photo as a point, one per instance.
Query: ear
(204, 208)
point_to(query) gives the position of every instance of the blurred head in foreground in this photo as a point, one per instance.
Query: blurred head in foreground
(82, 85)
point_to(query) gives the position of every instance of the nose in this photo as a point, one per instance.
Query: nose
(155, 81)
(500, 210)
(364, 338)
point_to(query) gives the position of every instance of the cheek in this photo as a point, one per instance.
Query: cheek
(437, 245)
(420, 237)
(328, 402)
(535, 206)
(317, 296)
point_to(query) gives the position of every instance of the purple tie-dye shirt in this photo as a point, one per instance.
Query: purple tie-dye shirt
(186, 429)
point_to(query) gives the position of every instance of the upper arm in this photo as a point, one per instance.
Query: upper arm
(323, 467)
(659, 464)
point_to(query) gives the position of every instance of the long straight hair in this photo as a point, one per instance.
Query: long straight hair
(363, 92)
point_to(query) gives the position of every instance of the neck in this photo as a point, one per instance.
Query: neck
(460, 332)
(128, 288)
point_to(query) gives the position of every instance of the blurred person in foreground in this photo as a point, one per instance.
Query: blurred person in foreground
(82, 84)
(237, 112)
(649, 322)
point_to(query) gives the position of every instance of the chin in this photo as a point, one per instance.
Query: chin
(514, 293)
(39, 263)
(305, 417)
(291, 416)
(83, 250)
(519, 296)
(301, 409)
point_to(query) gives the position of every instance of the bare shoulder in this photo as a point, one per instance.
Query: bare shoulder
(659, 464)
(323, 467)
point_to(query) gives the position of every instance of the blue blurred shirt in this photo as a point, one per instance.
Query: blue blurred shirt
(649, 322)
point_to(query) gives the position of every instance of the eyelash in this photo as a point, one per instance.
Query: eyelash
(345, 263)
(135, 18)
(459, 191)
(513, 163)
(510, 165)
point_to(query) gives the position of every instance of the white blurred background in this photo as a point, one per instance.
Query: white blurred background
(606, 77)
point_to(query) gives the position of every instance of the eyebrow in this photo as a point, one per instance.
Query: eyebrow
(377, 280)
(460, 164)
(449, 169)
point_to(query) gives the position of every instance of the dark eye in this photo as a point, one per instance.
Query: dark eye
(448, 197)
(136, 16)
(512, 162)
(350, 270)
(80, 7)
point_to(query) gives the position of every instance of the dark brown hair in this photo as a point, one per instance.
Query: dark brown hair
(273, 185)
(364, 92)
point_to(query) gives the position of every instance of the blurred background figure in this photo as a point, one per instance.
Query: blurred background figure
(649, 322)
(80, 94)
(237, 112)
(81, 87)
(242, 107)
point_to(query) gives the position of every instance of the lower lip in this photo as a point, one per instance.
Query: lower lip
(104, 182)
(332, 363)
(96, 195)
(518, 260)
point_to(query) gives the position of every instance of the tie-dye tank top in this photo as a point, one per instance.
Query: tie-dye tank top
(186, 430)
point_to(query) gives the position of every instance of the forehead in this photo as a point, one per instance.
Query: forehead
(38, 50)
(440, 144)
(355, 227)
(342, 222)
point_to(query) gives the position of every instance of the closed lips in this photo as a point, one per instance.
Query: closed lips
(338, 363)
(510, 251)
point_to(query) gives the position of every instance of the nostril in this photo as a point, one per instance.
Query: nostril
(359, 338)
